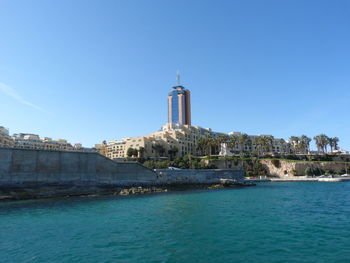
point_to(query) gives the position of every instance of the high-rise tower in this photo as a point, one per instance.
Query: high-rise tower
(179, 105)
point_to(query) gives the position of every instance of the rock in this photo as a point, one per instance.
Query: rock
(227, 182)
(216, 186)
(124, 192)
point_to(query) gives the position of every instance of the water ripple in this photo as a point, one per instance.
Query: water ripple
(275, 222)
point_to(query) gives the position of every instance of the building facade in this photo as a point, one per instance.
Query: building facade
(178, 137)
(179, 105)
(5, 139)
(257, 144)
(170, 141)
(34, 141)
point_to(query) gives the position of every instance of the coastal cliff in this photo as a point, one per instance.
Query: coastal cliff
(287, 168)
(279, 167)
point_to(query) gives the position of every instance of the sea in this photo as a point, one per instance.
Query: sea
(270, 222)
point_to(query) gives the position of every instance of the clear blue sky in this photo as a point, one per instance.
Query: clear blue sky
(89, 71)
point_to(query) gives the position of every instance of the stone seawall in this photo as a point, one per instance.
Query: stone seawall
(27, 167)
(27, 174)
(189, 176)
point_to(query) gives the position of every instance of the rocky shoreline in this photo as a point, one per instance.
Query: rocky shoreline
(8, 194)
(61, 191)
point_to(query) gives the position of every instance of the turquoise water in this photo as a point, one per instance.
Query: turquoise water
(272, 222)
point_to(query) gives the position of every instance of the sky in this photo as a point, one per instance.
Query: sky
(88, 71)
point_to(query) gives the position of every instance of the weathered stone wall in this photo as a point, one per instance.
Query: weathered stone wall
(27, 167)
(286, 168)
(41, 167)
(223, 164)
(210, 176)
(289, 168)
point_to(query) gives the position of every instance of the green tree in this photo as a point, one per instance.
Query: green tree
(130, 152)
(321, 141)
(317, 142)
(305, 144)
(333, 143)
(202, 146)
(264, 143)
(309, 171)
(294, 140)
(242, 139)
(206, 145)
(284, 145)
(150, 164)
(159, 149)
(222, 139)
(269, 142)
(258, 145)
(172, 152)
(232, 142)
(211, 144)
(142, 151)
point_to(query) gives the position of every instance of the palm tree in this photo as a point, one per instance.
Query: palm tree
(295, 143)
(269, 142)
(205, 145)
(211, 143)
(324, 141)
(264, 143)
(249, 143)
(317, 140)
(305, 143)
(232, 143)
(333, 143)
(222, 138)
(283, 145)
(321, 142)
(202, 146)
(259, 144)
(242, 140)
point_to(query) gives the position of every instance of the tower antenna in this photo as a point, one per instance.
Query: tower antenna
(178, 78)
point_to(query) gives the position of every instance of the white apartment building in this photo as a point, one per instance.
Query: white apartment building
(34, 141)
(251, 145)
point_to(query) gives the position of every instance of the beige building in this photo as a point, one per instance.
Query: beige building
(172, 140)
(115, 149)
(5, 139)
(34, 141)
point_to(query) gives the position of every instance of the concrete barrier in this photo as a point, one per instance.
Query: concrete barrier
(43, 167)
